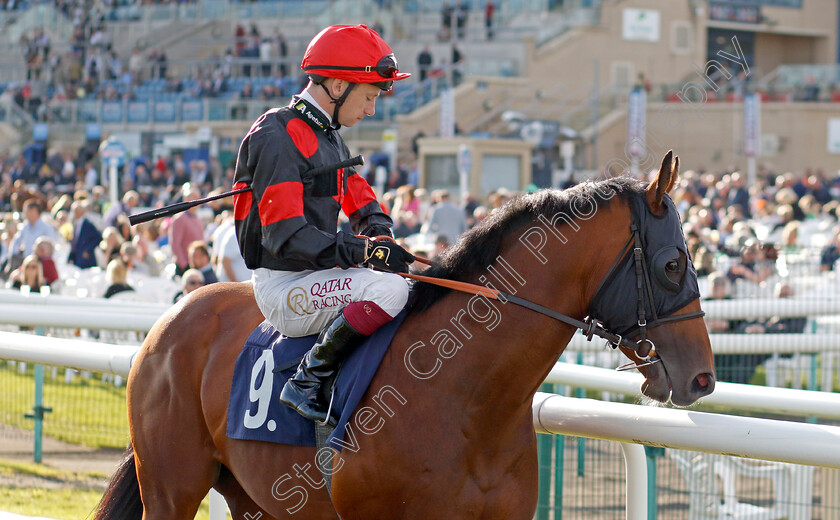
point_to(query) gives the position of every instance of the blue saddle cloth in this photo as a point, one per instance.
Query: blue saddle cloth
(255, 412)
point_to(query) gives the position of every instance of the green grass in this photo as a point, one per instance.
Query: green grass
(72, 500)
(65, 503)
(73, 497)
(9, 467)
(61, 504)
(85, 411)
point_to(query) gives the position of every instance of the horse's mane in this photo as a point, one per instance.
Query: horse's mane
(479, 247)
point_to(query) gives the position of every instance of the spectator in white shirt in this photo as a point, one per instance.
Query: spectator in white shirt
(33, 228)
(230, 266)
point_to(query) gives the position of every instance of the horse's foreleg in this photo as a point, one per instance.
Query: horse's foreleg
(175, 455)
(174, 475)
(241, 506)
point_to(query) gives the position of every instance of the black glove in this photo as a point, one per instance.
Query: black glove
(387, 256)
(376, 230)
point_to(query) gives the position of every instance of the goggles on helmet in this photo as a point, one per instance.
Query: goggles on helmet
(386, 68)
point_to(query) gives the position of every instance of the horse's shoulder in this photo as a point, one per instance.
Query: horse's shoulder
(223, 310)
(237, 290)
(225, 294)
(227, 300)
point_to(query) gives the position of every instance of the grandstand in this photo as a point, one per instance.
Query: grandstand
(790, 50)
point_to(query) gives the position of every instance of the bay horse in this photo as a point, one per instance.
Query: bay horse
(445, 428)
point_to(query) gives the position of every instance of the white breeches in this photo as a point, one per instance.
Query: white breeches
(300, 303)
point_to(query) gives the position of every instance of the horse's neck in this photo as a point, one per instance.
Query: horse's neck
(479, 351)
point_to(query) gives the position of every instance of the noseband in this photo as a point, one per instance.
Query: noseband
(590, 326)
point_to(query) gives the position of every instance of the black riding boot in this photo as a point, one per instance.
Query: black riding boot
(303, 391)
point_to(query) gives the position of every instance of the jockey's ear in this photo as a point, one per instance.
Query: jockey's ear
(664, 181)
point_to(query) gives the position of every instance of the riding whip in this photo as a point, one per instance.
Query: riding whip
(184, 206)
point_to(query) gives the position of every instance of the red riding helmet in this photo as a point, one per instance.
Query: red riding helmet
(354, 53)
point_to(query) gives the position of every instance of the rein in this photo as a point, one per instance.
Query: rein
(589, 326)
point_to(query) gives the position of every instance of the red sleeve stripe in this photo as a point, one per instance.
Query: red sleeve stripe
(281, 201)
(303, 136)
(241, 202)
(359, 194)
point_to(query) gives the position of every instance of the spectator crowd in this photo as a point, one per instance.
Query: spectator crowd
(88, 67)
(777, 238)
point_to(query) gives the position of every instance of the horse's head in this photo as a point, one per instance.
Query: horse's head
(662, 315)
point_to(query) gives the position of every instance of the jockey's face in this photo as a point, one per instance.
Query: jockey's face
(360, 102)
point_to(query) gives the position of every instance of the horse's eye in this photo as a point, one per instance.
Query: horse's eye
(672, 266)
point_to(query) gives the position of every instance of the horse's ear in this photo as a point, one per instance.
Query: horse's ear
(674, 174)
(664, 181)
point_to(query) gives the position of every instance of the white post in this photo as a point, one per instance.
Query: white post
(389, 146)
(218, 506)
(828, 371)
(752, 133)
(112, 181)
(751, 171)
(380, 179)
(635, 466)
(567, 151)
(464, 159)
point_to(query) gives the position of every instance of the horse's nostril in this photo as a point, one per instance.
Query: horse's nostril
(704, 383)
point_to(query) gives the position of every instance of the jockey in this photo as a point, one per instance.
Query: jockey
(305, 273)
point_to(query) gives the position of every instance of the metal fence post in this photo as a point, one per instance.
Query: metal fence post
(559, 462)
(580, 393)
(544, 445)
(38, 410)
(651, 452)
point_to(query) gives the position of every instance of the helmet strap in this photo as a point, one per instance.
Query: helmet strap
(338, 102)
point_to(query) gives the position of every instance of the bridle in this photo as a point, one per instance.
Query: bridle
(590, 326)
(644, 290)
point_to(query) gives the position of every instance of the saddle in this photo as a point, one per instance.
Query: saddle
(268, 359)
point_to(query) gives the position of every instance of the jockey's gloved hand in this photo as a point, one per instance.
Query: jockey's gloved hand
(387, 256)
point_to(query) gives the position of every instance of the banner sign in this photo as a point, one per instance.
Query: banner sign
(447, 113)
(640, 25)
(636, 118)
(752, 124)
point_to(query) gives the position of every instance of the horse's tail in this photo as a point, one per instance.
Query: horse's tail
(122, 498)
